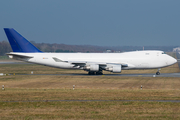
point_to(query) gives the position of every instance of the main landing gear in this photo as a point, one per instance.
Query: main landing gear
(95, 73)
(158, 73)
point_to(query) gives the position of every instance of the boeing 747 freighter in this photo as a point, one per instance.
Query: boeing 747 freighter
(93, 63)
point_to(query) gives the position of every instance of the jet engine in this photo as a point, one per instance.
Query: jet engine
(94, 68)
(114, 68)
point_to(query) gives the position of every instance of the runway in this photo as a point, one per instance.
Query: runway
(151, 75)
(126, 75)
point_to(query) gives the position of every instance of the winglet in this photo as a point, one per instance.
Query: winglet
(18, 42)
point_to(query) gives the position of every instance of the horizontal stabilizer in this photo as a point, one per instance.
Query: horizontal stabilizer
(18, 55)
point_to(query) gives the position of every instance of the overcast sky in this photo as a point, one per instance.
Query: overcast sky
(94, 22)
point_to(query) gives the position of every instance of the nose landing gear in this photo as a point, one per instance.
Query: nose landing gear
(158, 73)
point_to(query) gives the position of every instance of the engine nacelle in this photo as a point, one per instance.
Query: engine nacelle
(115, 68)
(11, 56)
(94, 68)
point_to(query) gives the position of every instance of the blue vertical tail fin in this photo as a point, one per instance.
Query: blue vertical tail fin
(18, 42)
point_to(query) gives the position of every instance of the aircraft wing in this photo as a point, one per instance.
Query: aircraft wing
(84, 63)
(102, 66)
(98, 63)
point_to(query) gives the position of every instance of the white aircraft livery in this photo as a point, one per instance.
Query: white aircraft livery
(93, 63)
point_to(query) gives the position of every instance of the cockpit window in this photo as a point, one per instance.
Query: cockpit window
(163, 53)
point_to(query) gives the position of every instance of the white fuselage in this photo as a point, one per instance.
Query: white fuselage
(134, 60)
(94, 63)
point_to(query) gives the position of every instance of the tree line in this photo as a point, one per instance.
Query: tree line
(46, 47)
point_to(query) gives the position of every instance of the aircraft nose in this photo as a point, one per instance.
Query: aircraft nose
(173, 60)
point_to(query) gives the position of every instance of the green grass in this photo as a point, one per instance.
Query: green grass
(50, 87)
(17, 94)
(90, 110)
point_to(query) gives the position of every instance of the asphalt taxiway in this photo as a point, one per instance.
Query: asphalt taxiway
(126, 75)
(150, 75)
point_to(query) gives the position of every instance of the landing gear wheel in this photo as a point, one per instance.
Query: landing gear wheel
(91, 73)
(157, 73)
(99, 73)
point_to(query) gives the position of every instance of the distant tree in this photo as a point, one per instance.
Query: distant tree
(46, 47)
(5, 48)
